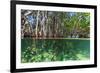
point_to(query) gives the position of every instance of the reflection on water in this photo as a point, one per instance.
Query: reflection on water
(42, 50)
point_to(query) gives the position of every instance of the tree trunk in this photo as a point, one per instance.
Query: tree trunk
(37, 24)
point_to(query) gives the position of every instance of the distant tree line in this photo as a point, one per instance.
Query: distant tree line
(53, 24)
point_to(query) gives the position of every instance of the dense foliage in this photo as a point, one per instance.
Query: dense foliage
(50, 24)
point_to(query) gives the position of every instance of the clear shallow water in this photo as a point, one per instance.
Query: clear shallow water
(40, 50)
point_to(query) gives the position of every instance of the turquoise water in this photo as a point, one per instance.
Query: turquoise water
(39, 50)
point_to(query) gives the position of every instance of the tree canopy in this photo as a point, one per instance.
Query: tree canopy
(50, 24)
